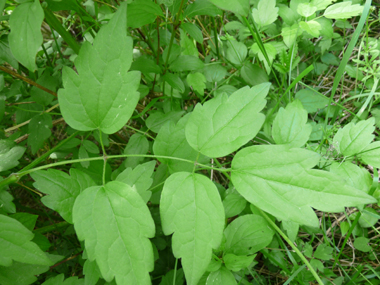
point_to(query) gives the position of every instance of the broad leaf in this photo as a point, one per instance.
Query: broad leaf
(25, 37)
(236, 52)
(282, 183)
(115, 224)
(289, 126)
(6, 201)
(40, 96)
(60, 280)
(311, 27)
(158, 119)
(221, 277)
(140, 177)
(354, 175)
(343, 10)
(174, 81)
(247, 234)
(186, 63)
(61, 189)
(239, 7)
(15, 244)
(103, 94)
(39, 131)
(371, 154)
(201, 8)
(197, 81)
(137, 144)
(253, 74)
(171, 141)
(311, 101)
(223, 124)
(320, 4)
(237, 262)
(233, 203)
(142, 12)
(9, 154)
(306, 9)
(353, 138)
(193, 31)
(191, 209)
(289, 34)
(91, 272)
(266, 12)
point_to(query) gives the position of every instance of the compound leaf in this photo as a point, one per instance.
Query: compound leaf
(281, 182)
(223, 124)
(115, 224)
(25, 37)
(353, 138)
(247, 234)
(191, 209)
(16, 244)
(289, 126)
(61, 189)
(103, 94)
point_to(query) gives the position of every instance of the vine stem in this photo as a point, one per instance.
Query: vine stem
(299, 253)
(16, 176)
(104, 157)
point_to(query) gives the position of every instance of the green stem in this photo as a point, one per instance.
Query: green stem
(104, 157)
(299, 253)
(56, 25)
(215, 37)
(51, 227)
(46, 154)
(175, 27)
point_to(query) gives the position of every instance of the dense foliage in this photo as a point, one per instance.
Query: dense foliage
(189, 142)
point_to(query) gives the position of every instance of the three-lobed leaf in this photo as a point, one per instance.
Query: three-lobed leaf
(223, 124)
(281, 182)
(61, 189)
(115, 224)
(191, 209)
(103, 94)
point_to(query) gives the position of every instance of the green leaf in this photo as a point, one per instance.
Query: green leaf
(115, 224)
(323, 252)
(9, 154)
(82, 154)
(253, 74)
(362, 244)
(169, 277)
(174, 81)
(91, 147)
(247, 234)
(368, 218)
(271, 52)
(266, 12)
(223, 124)
(91, 272)
(221, 277)
(281, 182)
(306, 9)
(320, 4)
(171, 141)
(60, 280)
(237, 262)
(142, 12)
(291, 229)
(311, 101)
(140, 177)
(6, 201)
(25, 37)
(21, 273)
(233, 203)
(193, 31)
(40, 96)
(343, 10)
(157, 119)
(371, 154)
(236, 52)
(103, 94)
(145, 65)
(186, 63)
(354, 175)
(28, 220)
(15, 244)
(239, 7)
(311, 27)
(289, 126)
(39, 131)
(61, 189)
(188, 46)
(191, 209)
(137, 144)
(201, 8)
(5, 52)
(197, 81)
(354, 138)
(289, 34)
